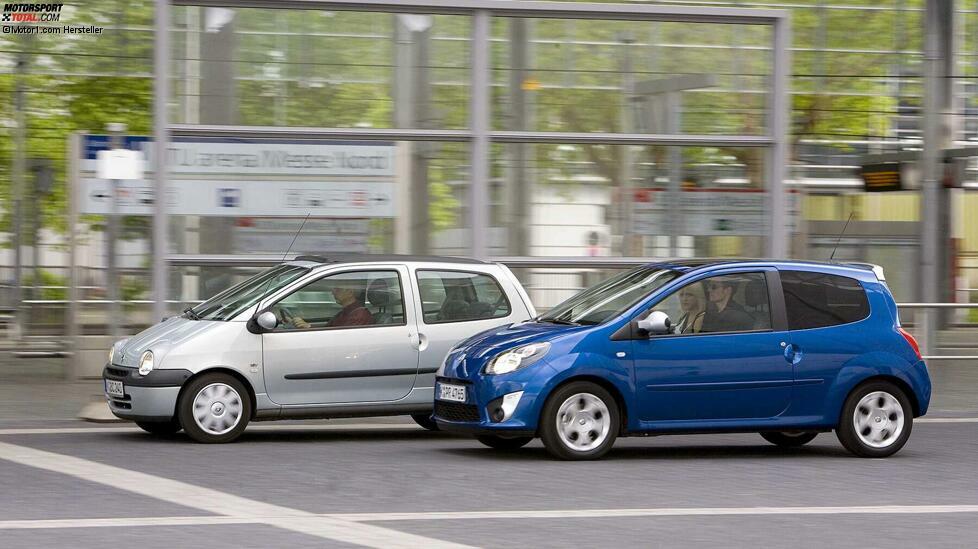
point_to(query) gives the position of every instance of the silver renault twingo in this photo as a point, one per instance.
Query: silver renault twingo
(311, 338)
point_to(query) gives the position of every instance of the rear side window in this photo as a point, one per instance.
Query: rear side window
(455, 296)
(816, 300)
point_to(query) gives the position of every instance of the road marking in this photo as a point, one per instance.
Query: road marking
(662, 512)
(351, 518)
(946, 420)
(219, 503)
(256, 428)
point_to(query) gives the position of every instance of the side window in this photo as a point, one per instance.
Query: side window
(816, 300)
(362, 298)
(453, 296)
(727, 303)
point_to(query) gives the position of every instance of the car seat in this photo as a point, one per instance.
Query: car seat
(756, 303)
(379, 296)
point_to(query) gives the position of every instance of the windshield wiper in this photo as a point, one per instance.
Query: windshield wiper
(560, 321)
(189, 311)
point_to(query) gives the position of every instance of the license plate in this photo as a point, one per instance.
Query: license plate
(115, 388)
(451, 392)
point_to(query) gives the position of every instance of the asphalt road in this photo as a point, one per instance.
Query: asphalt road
(380, 484)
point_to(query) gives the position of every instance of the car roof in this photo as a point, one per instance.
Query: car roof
(853, 268)
(334, 259)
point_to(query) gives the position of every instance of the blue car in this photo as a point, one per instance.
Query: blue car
(788, 349)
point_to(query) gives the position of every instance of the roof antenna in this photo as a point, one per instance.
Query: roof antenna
(286, 254)
(840, 235)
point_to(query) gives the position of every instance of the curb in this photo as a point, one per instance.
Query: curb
(98, 412)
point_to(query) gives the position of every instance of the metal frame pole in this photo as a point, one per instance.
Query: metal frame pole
(161, 95)
(479, 205)
(777, 157)
(71, 315)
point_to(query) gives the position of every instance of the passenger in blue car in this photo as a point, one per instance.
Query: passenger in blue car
(723, 313)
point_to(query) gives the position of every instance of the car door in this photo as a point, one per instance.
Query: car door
(727, 362)
(348, 336)
(454, 305)
(827, 317)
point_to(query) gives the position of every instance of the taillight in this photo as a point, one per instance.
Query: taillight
(913, 342)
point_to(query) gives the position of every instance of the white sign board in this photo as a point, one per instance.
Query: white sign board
(244, 198)
(707, 212)
(119, 164)
(272, 158)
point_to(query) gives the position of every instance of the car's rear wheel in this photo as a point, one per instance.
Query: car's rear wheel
(160, 427)
(214, 408)
(425, 421)
(789, 439)
(579, 422)
(876, 420)
(501, 443)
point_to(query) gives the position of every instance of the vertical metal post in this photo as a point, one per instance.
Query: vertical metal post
(937, 53)
(625, 199)
(71, 316)
(519, 195)
(17, 190)
(675, 216)
(777, 156)
(479, 206)
(161, 95)
(111, 236)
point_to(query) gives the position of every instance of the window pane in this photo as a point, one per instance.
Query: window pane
(814, 300)
(347, 299)
(448, 296)
(736, 303)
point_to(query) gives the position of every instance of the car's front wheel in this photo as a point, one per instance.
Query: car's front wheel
(214, 408)
(160, 427)
(789, 439)
(580, 421)
(876, 420)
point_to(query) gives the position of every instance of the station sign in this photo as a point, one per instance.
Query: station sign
(243, 198)
(884, 177)
(707, 212)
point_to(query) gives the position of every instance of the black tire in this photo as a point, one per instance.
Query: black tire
(185, 408)
(501, 443)
(160, 427)
(847, 430)
(425, 421)
(789, 439)
(549, 431)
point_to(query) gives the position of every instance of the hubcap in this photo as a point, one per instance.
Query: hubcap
(878, 419)
(217, 408)
(583, 422)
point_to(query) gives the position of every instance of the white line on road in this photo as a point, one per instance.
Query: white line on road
(220, 503)
(482, 515)
(258, 428)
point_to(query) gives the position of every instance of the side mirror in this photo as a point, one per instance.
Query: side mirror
(656, 323)
(267, 320)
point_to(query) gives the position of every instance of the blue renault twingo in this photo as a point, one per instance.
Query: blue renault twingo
(788, 349)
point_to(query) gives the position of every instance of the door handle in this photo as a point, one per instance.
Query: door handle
(422, 342)
(792, 353)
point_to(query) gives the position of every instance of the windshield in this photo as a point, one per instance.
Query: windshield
(235, 299)
(611, 297)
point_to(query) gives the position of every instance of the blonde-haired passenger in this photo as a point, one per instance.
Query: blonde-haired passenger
(692, 300)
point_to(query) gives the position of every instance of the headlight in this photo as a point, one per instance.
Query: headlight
(114, 347)
(146, 363)
(517, 358)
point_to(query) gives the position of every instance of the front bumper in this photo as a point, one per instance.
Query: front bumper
(483, 394)
(147, 398)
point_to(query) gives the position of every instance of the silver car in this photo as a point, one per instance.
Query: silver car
(310, 338)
